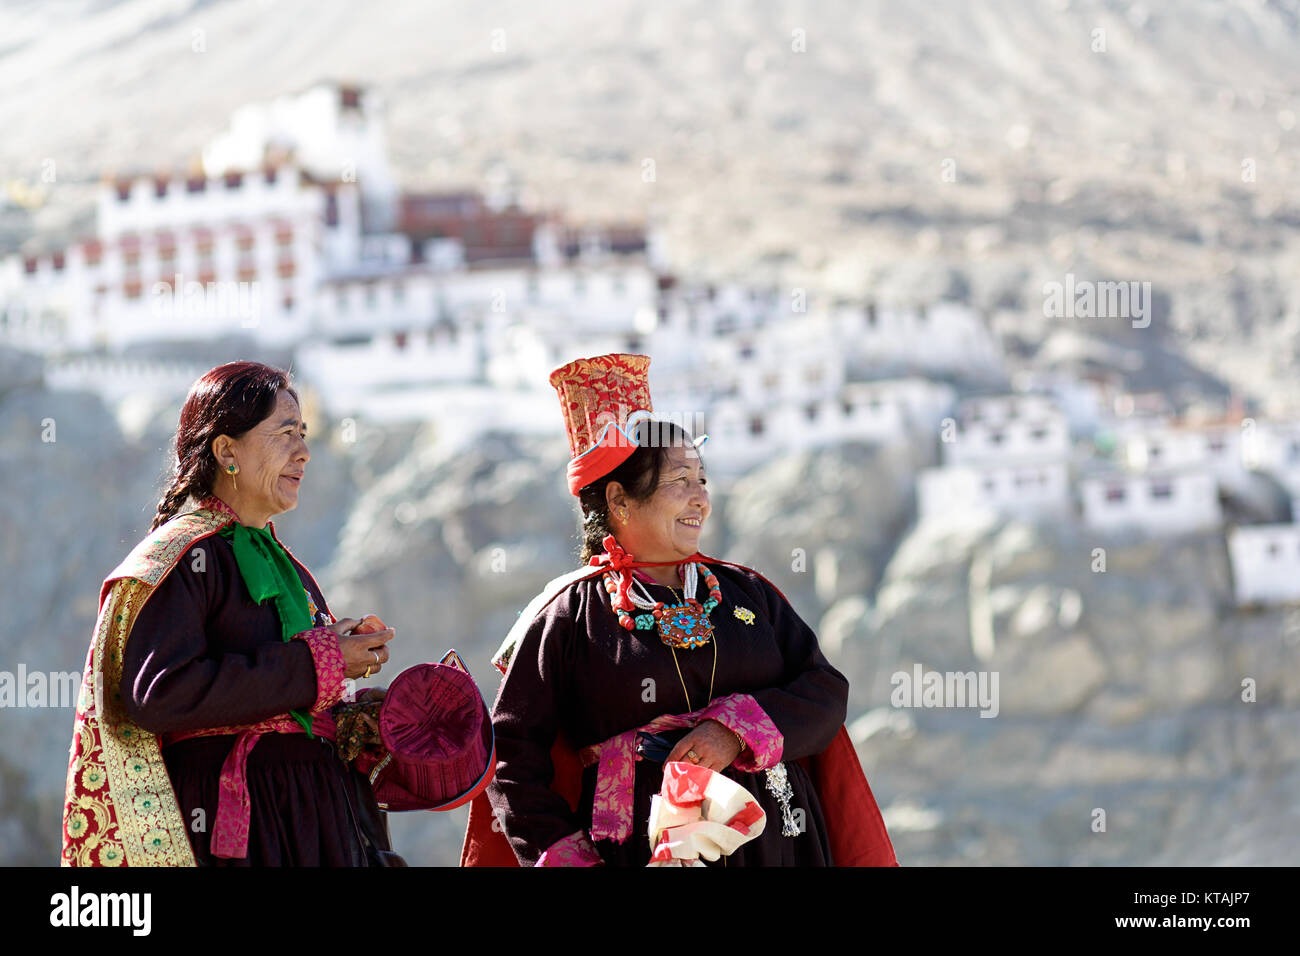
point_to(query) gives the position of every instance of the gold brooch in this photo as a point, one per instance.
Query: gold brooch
(744, 614)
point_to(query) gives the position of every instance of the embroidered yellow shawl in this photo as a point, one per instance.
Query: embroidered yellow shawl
(119, 806)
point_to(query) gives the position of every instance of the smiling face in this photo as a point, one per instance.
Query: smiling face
(271, 458)
(667, 526)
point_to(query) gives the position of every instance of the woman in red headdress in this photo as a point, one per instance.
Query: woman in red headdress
(653, 654)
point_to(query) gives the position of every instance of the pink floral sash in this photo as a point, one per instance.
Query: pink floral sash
(611, 816)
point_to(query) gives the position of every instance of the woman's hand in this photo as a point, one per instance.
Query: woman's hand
(362, 652)
(713, 743)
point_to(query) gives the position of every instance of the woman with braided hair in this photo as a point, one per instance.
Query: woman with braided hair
(205, 732)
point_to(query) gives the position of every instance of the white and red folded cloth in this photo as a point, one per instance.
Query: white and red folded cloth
(700, 814)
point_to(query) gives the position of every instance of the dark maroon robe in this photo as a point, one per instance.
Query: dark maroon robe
(578, 672)
(203, 654)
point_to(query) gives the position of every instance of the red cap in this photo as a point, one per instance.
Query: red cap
(602, 399)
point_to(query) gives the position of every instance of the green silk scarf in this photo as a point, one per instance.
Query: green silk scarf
(270, 575)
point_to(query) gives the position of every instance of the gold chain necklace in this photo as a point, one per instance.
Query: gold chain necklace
(712, 674)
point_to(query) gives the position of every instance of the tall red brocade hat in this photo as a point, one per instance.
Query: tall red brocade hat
(438, 734)
(603, 400)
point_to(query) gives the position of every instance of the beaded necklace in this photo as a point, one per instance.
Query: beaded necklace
(683, 625)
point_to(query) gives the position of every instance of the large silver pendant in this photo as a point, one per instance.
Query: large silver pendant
(778, 784)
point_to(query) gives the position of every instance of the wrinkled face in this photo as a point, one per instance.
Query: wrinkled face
(667, 526)
(272, 457)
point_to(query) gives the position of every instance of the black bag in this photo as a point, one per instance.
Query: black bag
(371, 823)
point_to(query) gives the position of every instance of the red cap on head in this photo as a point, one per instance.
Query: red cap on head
(602, 399)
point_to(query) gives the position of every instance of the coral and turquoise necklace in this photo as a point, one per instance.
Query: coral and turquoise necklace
(683, 625)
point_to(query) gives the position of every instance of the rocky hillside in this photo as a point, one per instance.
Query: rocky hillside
(1120, 688)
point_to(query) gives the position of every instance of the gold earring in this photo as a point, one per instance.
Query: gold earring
(234, 470)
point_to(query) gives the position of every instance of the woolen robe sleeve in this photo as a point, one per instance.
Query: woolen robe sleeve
(526, 719)
(202, 655)
(811, 703)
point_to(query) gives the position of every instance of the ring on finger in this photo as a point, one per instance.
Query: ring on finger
(692, 756)
(367, 673)
(376, 656)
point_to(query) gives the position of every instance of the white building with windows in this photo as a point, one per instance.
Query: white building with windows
(334, 131)
(1265, 563)
(763, 371)
(766, 400)
(197, 268)
(1027, 490)
(1004, 409)
(1215, 448)
(295, 234)
(743, 435)
(1008, 429)
(294, 231)
(725, 310)
(1157, 502)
